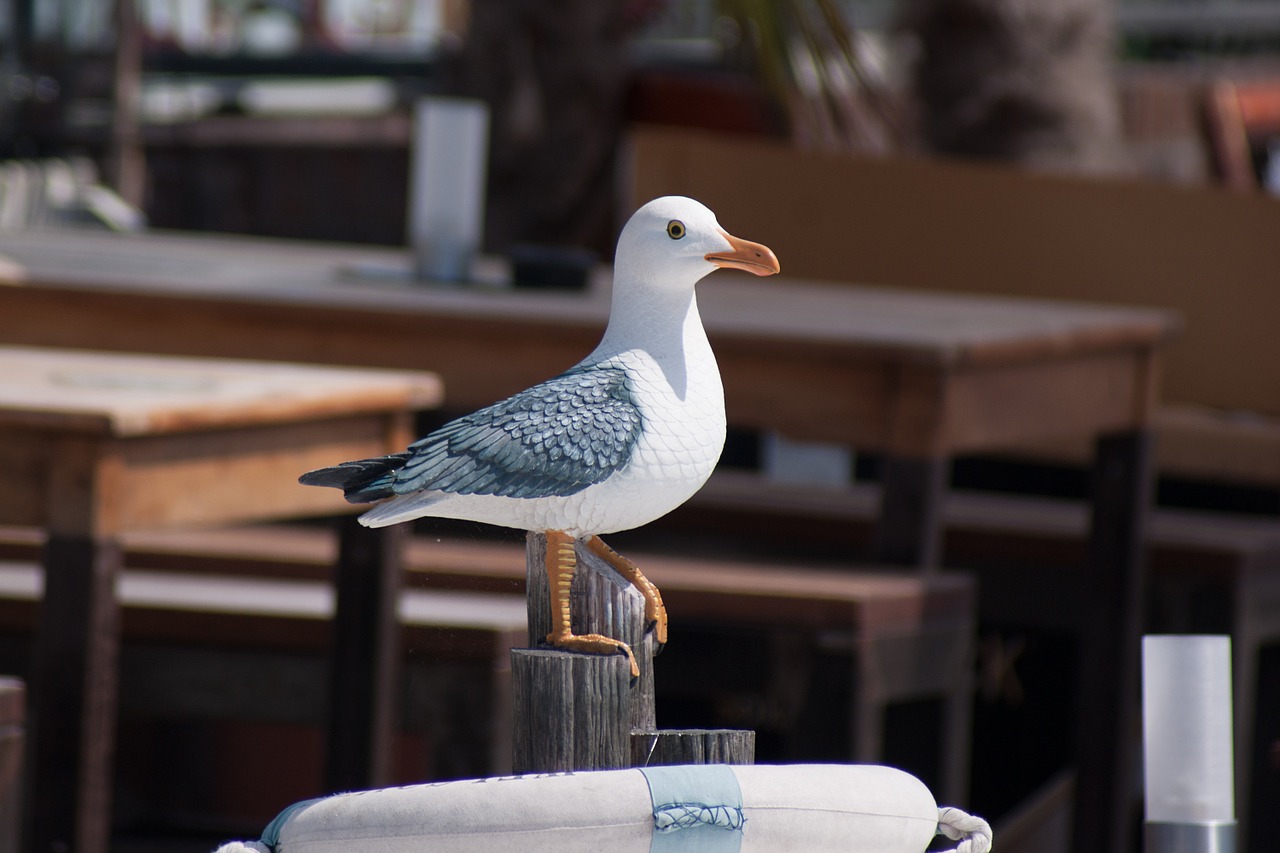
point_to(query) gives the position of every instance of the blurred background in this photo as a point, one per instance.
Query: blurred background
(203, 112)
(293, 119)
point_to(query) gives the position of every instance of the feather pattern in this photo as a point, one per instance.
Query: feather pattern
(555, 439)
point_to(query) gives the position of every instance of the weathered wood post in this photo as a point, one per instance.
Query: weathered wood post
(585, 712)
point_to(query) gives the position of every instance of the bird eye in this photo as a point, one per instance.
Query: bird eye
(675, 229)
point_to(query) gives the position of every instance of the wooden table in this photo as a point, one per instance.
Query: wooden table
(95, 445)
(919, 377)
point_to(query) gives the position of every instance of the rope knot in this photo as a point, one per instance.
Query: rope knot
(973, 833)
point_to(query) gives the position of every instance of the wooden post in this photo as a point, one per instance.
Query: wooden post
(127, 169)
(585, 712)
(13, 725)
(693, 746)
(571, 711)
(908, 533)
(70, 752)
(1109, 652)
(605, 603)
(364, 664)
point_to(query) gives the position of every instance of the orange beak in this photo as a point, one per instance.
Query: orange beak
(745, 255)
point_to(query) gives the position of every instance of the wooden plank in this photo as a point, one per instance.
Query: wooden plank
(240, 475)
(923, 410)
(1080, 396)
(129, 395)
(234, 475)
(1191, 443)
(181, 607)
(916, 326)
(276, 274)
(769, 389)
(1217, 446)
(464, 352)
(766, 592)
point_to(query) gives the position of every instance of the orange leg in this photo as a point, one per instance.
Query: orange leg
(654, 611)
(561, 562)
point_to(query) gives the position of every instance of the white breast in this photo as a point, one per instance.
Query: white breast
(684, 431)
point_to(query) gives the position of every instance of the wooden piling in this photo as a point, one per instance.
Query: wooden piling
(572, 711)
(583, 711)
(692, 746)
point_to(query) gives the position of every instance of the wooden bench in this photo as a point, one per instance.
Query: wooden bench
(197, 642)
(906, 635)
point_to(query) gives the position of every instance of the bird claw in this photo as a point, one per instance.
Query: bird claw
(595, 644)
(655, 612)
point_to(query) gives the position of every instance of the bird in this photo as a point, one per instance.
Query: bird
(618, 440)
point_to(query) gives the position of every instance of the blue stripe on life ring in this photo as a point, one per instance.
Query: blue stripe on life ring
(696, 809)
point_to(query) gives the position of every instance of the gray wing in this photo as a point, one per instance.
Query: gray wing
(554, 439)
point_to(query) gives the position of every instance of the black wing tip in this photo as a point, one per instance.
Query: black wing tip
(335, 476)
(361, 481)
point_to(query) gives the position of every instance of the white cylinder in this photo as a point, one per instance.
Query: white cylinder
(447, 186)
(1186, 710)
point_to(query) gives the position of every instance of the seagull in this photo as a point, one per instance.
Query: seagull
(620, 439)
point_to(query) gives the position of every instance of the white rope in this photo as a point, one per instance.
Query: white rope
(973, 833)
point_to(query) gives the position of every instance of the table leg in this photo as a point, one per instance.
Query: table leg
(74, 694)
(909, 529)
(1112, 624)
(365, 657)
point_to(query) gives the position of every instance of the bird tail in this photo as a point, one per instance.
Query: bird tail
(361, 481)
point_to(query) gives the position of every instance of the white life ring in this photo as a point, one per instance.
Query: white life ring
(712, 807)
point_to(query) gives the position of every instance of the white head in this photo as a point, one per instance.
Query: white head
(674, 241)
